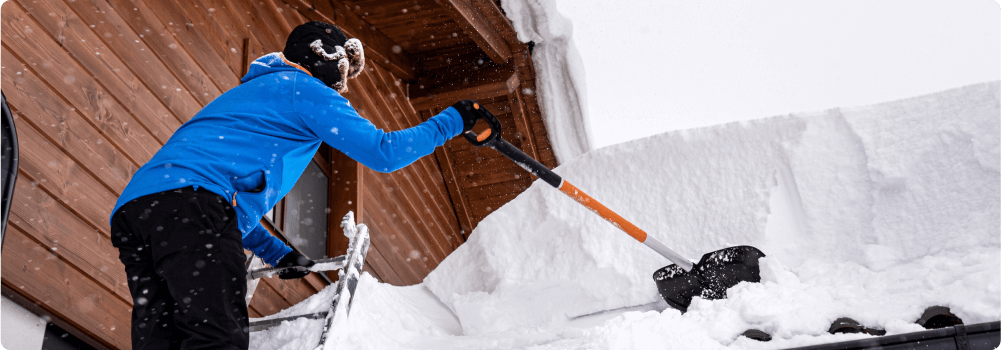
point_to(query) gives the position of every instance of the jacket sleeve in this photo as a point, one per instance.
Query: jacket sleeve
(265, 245)
(332, 119)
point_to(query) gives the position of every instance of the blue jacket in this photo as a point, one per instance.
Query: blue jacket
(266, 130)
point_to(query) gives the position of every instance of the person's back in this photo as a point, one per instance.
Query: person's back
(184, 218)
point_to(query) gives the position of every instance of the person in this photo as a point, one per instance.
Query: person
(183, 220)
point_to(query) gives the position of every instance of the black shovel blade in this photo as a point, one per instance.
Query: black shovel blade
(716, 271)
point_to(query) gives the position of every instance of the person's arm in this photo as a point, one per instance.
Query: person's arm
(333, 120)
(265, 245)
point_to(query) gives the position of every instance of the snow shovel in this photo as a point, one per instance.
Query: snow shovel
(677, 283)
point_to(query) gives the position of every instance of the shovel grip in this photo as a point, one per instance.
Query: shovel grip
(526, 162)
(489, 136)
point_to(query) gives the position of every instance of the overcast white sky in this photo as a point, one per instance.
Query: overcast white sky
(654, 66)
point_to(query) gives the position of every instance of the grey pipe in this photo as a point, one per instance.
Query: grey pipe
(8, 167)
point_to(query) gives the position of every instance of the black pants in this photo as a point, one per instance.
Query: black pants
(183, 256)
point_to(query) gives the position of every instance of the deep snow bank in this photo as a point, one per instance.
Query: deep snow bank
(871, 212)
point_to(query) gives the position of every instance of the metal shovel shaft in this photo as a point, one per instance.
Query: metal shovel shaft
(553, 179)
(625, 225)
(682, 262)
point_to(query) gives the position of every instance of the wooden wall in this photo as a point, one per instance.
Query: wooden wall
(96, 87)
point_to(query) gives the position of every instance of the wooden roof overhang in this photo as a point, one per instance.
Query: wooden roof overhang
(445, 51)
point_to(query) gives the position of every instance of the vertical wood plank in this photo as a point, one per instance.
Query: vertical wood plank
(343, 198)
(521, 123)
(456, 190)
(252, 50)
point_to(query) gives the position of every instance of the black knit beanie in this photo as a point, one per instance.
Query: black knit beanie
(331, 59)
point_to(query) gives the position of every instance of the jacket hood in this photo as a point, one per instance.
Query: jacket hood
(271, 63)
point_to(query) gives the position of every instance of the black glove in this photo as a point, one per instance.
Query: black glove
(471, 111)
(300, 263)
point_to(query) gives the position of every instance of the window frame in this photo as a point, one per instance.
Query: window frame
(278, 212)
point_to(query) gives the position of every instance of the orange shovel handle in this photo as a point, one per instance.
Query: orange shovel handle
(491, 137)
(604, 212)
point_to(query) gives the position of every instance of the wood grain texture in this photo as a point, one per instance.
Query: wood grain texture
(400, 19)
(343, 198)
(521, 121)
(208, 20)
(472, 19)
(126, 46)
(41, 55)
(53, 226)
(392, 244)
(425, 245)
(63, 126)
(431, 178)
(256, 25)
(252, 50)
(33, 271)
(86, 47)
(266, 300)
(190, 40)
(67, 181)
(38, 310)
(407, 180)
(292, 291)
(378, 47)
(456, 190)
(141, 19)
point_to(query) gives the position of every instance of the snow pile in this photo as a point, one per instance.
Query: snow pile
(559, 74)
(872, 213)
(857, 208)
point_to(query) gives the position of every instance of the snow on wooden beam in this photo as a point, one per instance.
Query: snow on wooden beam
(471, 18)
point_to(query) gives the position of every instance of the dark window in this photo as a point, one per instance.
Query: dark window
(58, 339)
(306, 213)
